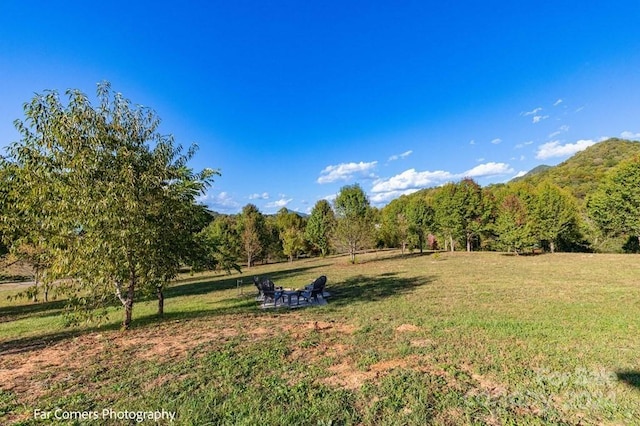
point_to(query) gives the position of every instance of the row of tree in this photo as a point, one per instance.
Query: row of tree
(512, 217)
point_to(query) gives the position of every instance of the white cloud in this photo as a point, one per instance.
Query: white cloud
(488, 169)
(472, 142)
(535, 111)
(384, 197)
(519, 174)
(401, 156)
(558, 102)
(263, 196)
(410, 179)
(479, 160)
(554, 149)
(539, 118)
(283, 202)
(496, 141)
(561, 130)
(629, 135)
(346, 171)
(221, 202)
(522, 145)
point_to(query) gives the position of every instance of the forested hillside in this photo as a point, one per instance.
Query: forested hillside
(582, 173)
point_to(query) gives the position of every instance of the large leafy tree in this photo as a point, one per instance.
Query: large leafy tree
(447, 214)
(420, 217)
(109, 197)
(553, 213)
(513, 226)
(354, 228)
(469, 205)
(394, 229)
(218, 246)
(615, 206)
(320, 226)
(253, 233)
(291, 231)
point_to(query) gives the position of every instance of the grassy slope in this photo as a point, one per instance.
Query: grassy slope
(478, 338)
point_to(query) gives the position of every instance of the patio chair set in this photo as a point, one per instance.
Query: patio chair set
(312, 294)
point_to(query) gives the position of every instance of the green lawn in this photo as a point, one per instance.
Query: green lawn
(480, 338)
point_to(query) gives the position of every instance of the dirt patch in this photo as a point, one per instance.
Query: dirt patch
(405, 328)
(347, 376)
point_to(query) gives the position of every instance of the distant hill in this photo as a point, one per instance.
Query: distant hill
(583, 172)
(536, 170)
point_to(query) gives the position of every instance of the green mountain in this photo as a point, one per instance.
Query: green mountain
(583, 172)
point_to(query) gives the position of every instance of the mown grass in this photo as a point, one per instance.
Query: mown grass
(480, 338)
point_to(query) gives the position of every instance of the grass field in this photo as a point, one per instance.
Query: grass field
(451, 338)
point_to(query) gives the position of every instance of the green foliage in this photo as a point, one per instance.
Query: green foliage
(219, 245)
(320, 226)
(291, 231)
(253, 233)
(512, 225)
(554, 214)
(615, 207)
(110, 198)
(394, 227)
(354, 228)
(419, 218)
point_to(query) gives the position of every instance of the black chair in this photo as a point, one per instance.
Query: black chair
(313, 290)
(270, 292)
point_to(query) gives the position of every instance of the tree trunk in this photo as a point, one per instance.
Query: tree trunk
(552, 246)
(160, 300)
(451, 243)
(468, 242)
(36, 279)
(128, 305)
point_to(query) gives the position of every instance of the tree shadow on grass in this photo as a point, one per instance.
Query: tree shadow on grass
(230, 282)
(33, 343)
(31, 310)
(630, 377)
(395, 257)
(364, 288)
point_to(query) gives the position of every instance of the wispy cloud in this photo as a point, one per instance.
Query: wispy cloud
(523, 144)
(346, 171)
(629, 135)
(263, 196)
(558, 102)
(519, 174)
(534, 111)
(496, 141)
(472, 142)
(562, 129)
(539, 118)
(401, 156)
(555, 149)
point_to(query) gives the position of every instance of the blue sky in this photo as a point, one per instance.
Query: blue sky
(292, 100)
